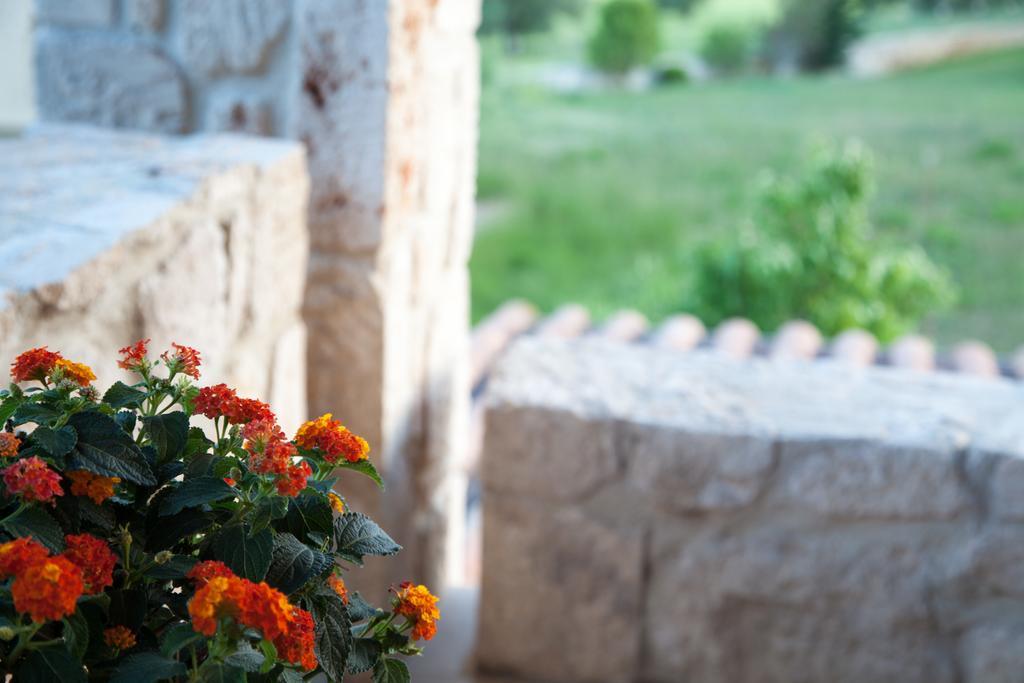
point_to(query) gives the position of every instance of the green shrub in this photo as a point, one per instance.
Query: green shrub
(671, 75)
(626, 36)
(727, 47)
(519, 17)
(814, 256)
(814, 34)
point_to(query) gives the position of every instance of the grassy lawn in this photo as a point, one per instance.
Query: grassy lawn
(603, 196)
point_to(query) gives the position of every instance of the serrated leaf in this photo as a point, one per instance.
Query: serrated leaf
(390, 670)
(364, 467)
(308, 513)
(56, 442)
(50, 664)
(267, 511)
(120, 395)
(363, 654)
(245, 658)
(35, 522)
(248, 556)
(76, 634)
(178, 637)
(219, 673)
(356, 535)
(104, 448)
(360, 610)
(147, 667)
(168, 434)
(175, 568)
(8, 406)
(40, 413)
(164, 532)
(126, 419)
(196, 492)
(333, 636)
(294, 564)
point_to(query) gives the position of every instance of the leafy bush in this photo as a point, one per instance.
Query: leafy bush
(814, 34)
(137, 549)
(671, 75)
(812, 255)
(626, 36)
(519, 17)
(727, 47)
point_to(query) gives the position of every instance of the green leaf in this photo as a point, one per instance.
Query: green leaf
(35, 522)
(357, 535)
(126, 419)
(168, 433)
(104, 448)
(292, 676)
(175, 568)
(164, 532)
(56, 442)
(390, 670)
(245, 658)
(248, 556)
(177, 637)
(364, 467)
(120, 395)
(217, 673)
(40, 413)
(127, 607)
(363, 655)
(333, 636)
(195, 492)
(267, 511)
(269, 651)
(8, 406)
(196, 443)
(50, 664)
(360, 610)
(308, 513)
(147, 667)
(294, 564)
(76, 634)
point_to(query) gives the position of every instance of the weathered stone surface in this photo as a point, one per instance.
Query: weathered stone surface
(83, 78)
(144, 15)
(793, 605)
(230, 111)
(994, 652)
(75, 12)
(146, 244)
(578, 619)
(230, 36)
(807, 523)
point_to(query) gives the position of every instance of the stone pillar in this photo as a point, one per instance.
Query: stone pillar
(384, 95)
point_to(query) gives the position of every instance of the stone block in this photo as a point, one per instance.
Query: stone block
(85, 79)
(230, 111)
(230, 36)
(144, 15)
(994, 652)
(75, 12)
(561, 594)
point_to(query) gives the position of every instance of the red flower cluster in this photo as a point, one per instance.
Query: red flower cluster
(93, 486)
(337, 585)
(119, 637)
(184, 359)
(95, 559)
(255, 605)
(46, 588)
(33, 480)
(332, 439)
(202, 572)
(34, 364)
(221, 401)
(133, 357)
(419, 606)
(276, 457)
(9, 445)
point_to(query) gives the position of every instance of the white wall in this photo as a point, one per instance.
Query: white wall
(17, 102)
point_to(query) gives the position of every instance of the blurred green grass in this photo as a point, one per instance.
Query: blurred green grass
(603, 196)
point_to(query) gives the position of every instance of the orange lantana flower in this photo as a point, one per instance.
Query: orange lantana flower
(94, 486)
(202, 572)
(32, 480)
(183, 359)
(17, 555)
(250, 604)
(47, 590)
(79, 373)
(9, 445)
(133, 357)
(337, 504)
(419, 606)
(119, 637)
(34, 364)
(296, 644)
(332, 439)
(94, 557)
(337, 585)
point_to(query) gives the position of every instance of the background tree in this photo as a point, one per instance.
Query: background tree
(626, 36)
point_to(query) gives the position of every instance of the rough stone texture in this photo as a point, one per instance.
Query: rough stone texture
(83, 78)
(75, 12)
(230, 36)
(792, 522)
(136, 236)
(384, 96)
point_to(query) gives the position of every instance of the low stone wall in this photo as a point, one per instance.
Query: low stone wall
(107, 237)
(661, 517)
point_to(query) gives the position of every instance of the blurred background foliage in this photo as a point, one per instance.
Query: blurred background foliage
(630, 189)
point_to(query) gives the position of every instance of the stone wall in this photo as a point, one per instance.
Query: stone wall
(660, 517)
(109, 237)
(384, 95)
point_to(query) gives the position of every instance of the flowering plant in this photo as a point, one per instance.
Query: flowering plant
(135, 547)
